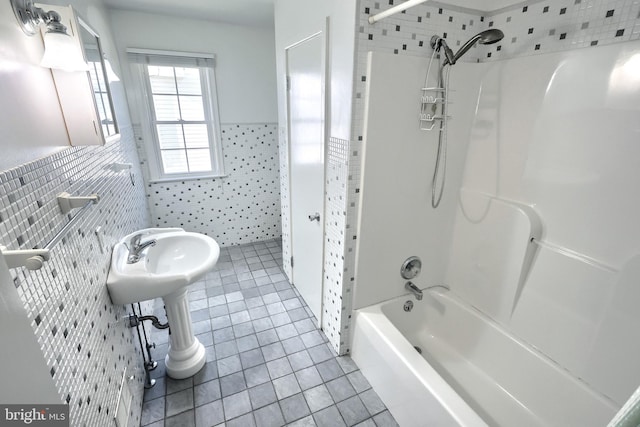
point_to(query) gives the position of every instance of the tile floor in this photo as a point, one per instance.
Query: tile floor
(267, 362)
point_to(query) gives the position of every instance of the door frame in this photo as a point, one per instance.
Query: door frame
(325, 108)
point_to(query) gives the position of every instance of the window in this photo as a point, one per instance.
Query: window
(182, 126)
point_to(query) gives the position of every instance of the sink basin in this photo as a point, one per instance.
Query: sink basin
(178, 259)
(166, 269)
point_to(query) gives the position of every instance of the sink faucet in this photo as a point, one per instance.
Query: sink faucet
(136, 248)
(414, 290)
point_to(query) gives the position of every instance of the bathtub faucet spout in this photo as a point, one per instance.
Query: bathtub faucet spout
(414, 290)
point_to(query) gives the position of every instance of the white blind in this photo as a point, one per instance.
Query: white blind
(172, 59)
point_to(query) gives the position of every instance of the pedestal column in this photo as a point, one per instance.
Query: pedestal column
(186, 354)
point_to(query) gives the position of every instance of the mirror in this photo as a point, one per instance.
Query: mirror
(100, 75)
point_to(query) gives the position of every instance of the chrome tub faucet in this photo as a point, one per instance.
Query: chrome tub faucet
(414, 290)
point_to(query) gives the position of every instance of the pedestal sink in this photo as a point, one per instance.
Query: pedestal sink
(165, 269)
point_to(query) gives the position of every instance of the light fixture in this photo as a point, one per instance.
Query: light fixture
(61, 51)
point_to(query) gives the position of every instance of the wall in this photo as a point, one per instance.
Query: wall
(243, 206)
(83, 342)
(296, 20)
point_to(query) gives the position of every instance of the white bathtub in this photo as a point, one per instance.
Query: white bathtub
(471, 372)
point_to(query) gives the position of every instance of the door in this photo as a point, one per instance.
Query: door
(305, 95)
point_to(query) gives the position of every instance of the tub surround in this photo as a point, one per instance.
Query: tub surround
(532, 143)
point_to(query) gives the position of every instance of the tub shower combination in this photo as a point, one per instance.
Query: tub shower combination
(526, 332)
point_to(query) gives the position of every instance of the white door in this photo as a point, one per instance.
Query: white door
(306, 162)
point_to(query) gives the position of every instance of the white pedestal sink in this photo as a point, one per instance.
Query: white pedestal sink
(166, 269)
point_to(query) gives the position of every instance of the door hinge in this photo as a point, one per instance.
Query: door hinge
(291, 262)
(288, 82)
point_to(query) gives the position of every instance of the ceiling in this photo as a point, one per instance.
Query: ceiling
(243, 12)
(252, 12)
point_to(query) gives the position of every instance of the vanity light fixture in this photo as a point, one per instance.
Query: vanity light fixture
(60, 49)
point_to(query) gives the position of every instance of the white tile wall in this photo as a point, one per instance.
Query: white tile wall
(242, 207)
(82, 335)
(530, 28)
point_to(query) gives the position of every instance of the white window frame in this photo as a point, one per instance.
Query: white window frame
(140, 58)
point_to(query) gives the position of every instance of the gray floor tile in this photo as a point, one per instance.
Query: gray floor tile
(385, 419)
(353, 410)
(256, 375)
(243, 329)
(179, 402)
(260, 325)
(152, 411)
(367, 423)
(358, 381)
(281, 319)
(294, 407)
(273, 351)
(293, 345)
(258, 313)
(174, 385)
(232, 384)
(206, 392)
(226, 349)
(347, 364)
(318, 398)
(247, 343)
(310, 339)
(303, 422)
(269, 416)
(185, 419)
(298, 314)
(210, 414)
(229, 365)
(208, 372)
(308, 377)
(242, 421)
(279, 368)
(286, 331)
(267, 337)
(329, 417)
(300, 360)
(304, 326)
(372, 401)
(286, 386)
(159, 390)
(222, 335)
(251, 358)
(320, 353)
(262, 395)
(236, 405)
(240, 317)
(329, 369)
(340, 389)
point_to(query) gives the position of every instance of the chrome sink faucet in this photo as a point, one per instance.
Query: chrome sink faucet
(136, 248)
(414, 290)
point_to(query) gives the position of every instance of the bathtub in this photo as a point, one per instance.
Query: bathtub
(446, 364)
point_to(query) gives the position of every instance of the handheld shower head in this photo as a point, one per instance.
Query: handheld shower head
(486, 37)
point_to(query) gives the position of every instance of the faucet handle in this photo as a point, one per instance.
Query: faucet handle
(135, 240)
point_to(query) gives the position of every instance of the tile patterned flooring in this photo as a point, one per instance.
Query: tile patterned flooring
(268, 364)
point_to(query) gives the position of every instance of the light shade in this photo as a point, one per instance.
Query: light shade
(62, 53)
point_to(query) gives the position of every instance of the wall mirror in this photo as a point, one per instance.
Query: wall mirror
(84, 96)
(99, 74)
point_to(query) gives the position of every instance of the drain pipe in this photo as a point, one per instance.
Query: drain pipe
(136, 321)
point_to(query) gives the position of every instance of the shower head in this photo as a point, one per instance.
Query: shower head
(486, 37)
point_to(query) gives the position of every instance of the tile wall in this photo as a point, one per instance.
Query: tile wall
(83, 337)
(530, 28)
(240, 208)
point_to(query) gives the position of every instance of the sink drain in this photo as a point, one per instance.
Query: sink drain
(418, 349)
